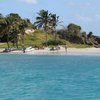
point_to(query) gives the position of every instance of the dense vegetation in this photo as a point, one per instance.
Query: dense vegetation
(12, 31)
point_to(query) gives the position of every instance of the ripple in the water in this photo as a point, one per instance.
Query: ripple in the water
(24, 77)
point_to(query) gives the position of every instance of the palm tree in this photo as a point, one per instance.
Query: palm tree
(42, 21)
(54, 23)
(14, 32)
(8, 25)
(84, 37)
(4, 24)
(90, 38)
(22, 26)
(16, 26)
(11, 26)
(90, 35)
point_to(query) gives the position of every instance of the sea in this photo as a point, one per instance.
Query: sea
(31, 77)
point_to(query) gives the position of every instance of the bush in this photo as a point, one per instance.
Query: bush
(53, 42)
(38, 46)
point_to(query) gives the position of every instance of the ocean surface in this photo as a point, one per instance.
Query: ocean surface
(29, 77)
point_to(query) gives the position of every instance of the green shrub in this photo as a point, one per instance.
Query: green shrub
(53, 42)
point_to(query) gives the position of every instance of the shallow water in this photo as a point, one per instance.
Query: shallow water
(29, 77)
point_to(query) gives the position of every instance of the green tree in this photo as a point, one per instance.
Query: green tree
(2, 24)
(42, 21)
(11, 26)
(73, 29)
(23, 24)
(12, 20)
(4, 28)
(54, 21)
(84, 37)
(90, 35)
(74, 33)
(14, 33)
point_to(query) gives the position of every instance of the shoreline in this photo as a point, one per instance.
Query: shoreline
(62, 51)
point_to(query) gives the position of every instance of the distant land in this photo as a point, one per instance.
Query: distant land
(19, 32)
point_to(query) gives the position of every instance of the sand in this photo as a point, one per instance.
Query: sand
(62, 51)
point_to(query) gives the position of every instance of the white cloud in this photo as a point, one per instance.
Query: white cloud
(30, 1)
(84, 18)
(79, 4)
(93, 18)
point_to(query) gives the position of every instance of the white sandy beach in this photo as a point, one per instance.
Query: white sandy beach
(62, 51)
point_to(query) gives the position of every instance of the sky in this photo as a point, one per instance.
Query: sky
(85, 13)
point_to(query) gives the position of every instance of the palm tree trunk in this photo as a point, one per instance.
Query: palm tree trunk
(17, 42)
(8, 41)
(55, 36)
(8, 44)
(13, 44)
(22, 38)
(46, 37)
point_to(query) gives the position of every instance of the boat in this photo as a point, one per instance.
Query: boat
(29, 49)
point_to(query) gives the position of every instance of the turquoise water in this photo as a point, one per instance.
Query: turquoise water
(26, 77)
